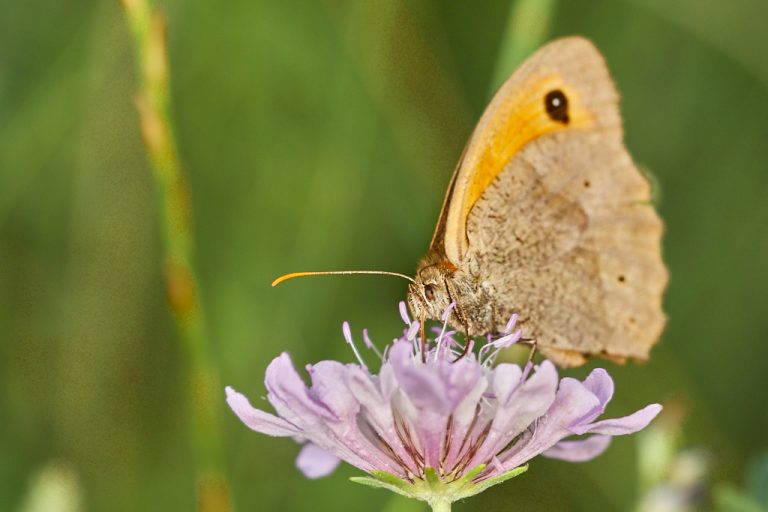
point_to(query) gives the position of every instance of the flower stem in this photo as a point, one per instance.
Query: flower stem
(153, 104)
(440, 506)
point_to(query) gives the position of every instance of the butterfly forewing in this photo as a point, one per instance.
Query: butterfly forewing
(548, 212)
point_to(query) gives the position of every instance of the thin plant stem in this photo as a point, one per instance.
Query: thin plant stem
(528, 26)
(174, 212)
(440, 506)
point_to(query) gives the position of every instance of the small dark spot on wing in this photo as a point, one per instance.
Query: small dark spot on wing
(556, 104)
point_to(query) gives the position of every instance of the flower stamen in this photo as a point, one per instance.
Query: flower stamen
(446, 314)
(369, 344)
(348, 336)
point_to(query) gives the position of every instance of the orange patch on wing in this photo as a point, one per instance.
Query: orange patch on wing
(521, 119)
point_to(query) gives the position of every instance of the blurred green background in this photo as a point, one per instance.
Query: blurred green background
(321, 135)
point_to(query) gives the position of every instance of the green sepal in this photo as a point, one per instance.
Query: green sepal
(433, 488)
(485, 484)
(466, 480)
(471, 474)
(389, 478)
(373, 482)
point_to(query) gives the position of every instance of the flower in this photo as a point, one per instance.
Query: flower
(436, 423)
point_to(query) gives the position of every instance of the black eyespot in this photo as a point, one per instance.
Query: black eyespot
(429, 292)
(556, 104)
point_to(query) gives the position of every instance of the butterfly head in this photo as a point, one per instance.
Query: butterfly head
(431, 292)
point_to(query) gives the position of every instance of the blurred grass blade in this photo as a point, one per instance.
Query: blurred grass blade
(153, 103)
(528, 26)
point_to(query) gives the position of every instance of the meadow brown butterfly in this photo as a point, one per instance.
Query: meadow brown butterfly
(547, 216)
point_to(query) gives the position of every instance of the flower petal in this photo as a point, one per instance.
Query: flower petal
(506, 377)
(601, 384)
(573, 401)
(377, 413)
(579, 451)
(438, 386)
(289, 395)
(621, 426)
(529, 400)
(315, 462)
(422, 387)
(256, 419)
(340, 435)
(329, 387)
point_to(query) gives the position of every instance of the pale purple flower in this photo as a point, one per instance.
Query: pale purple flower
(433, 427)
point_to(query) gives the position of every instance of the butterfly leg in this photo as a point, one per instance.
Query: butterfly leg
(423, 338)
(532, 353)
(467, 342)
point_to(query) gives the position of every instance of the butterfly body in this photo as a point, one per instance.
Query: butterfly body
(547, 216)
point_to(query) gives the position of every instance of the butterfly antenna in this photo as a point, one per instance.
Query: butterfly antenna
(339, 273)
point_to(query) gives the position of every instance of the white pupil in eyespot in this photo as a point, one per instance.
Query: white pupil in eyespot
(556, 102)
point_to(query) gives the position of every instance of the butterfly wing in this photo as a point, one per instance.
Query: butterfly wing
(548, 209)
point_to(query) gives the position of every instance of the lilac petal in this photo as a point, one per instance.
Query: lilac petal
(459, 379)
(363, 387)
(464, 412)
(289, 395)
(315, 462)
(579, 451)
(470, 413)
(329, 387)
(256, 419)
(377, 412)
(527, 402)
(601, 384)
(621, 426)
(538, 392)
(573, 401)
(376, 407)
(506, 377)
(437, 385)
(430, 393)
(423, 388)
(336, 431)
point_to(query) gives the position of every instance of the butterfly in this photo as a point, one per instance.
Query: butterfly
(547, 217)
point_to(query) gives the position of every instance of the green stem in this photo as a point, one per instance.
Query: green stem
(174, 210)
(440, 506)
(527, 27)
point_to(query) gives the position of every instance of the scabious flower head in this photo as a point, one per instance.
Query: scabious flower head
(437, 423)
